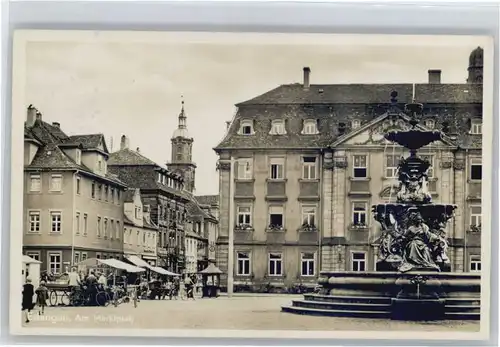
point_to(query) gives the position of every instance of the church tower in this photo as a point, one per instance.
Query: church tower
(182, 144)
(476, 66)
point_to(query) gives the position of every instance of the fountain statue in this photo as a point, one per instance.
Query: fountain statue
(413, 278)
(413, 228)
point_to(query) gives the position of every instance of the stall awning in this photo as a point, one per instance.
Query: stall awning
(117, 264)
(211, 270)
(29, 260)
(162, 271)
(138, 261)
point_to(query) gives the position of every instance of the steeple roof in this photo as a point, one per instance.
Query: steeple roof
(181, 130)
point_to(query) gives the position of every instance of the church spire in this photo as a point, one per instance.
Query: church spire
(182, 116)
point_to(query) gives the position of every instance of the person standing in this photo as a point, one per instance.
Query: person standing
(27, 303)
(41, 297)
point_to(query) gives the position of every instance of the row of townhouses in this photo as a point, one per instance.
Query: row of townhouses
(81, 201)
(301, 165)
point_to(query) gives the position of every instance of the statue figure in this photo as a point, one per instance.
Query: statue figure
(420, 240)
(441, 247)
(413, 181)
(389, 247)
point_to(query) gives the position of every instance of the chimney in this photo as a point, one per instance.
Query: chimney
(30, 121)
(56, 124)
(138, 150)
(124, 144)
(38, 115)
(434, 76)
(307, 72)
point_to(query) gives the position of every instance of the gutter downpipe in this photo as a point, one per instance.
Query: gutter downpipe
(230, 255)
(73, 214)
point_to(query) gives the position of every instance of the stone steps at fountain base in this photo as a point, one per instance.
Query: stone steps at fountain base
(343, 306)
(335, 313)
(462, 316)
(348, 299)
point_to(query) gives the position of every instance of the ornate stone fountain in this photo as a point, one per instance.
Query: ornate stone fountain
(413, 278)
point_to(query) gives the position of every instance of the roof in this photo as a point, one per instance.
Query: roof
(331, 94)
(128, 195)
(127, 156)
(207, 199)
(211, 270)
(454, 104)
(50, 153)
(90, 141)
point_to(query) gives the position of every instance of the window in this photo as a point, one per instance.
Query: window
(358, 261)
(55, 218)
(246, 127)
(475, 263)
(159, 177)
(276, 217)
(99, 191)
(105, 227)
(93, 190)
(309, 216)
(118, 197)
(33, 255)
(112, 191)
(77, 258)
(35, 183)
(244, 215)
(138, 238)
(429, 123)
(243, 261)
(84, 256)
(476, 169)
(77, 223)
(310, 127)
(106, 193)
(34, 221)
(98, 255)
(78, 182)
(85, 220)
(99, 164)
(54, 262)
(55, 183)
(476, 127)
(275, 264)
(244, 169)
(98, 226)
(391, 165)
(307, 261)
(359, 214)
(277, 168)
(475, 215)
(111, 229)
(277, 127)
(430, 159)
(143, 238)
(355, 124)
(359, 166)
(309, 168)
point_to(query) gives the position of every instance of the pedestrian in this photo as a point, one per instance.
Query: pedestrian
(42, 294)
(27, 304)
(73, 280)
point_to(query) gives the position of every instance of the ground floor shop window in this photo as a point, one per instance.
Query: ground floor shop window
(243, 261)
(308, 264)
(358, 260)
(54, 261)
(275, 264)
(475, 263)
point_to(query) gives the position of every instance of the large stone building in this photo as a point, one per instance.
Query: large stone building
(301, 166)
(162, 196)
(73, 206)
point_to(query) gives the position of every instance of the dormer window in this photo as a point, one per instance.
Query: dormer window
(355, 124)
(278, 127)
(310, 127)
(476, 127)
(246, 127)
(429, 123)
(99, 164)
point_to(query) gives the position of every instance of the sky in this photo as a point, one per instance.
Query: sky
(135, 89)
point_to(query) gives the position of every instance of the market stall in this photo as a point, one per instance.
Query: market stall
(211, 281)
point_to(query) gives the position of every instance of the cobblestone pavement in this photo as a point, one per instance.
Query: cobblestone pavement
(239, 312)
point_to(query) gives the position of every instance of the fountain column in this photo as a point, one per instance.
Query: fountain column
(339, 210)
(326, 227)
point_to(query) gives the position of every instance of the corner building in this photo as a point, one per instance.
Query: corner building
(301, 166)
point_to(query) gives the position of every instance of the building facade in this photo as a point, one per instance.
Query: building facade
(301, 166)
(140, 234)
(162, 195)
(73, 206)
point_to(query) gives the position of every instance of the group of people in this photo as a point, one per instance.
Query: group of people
(29, 291)
(173, 288)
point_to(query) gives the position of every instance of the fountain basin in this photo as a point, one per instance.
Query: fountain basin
(389, 294)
